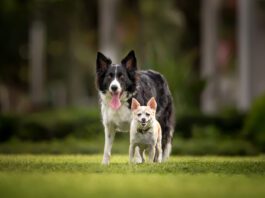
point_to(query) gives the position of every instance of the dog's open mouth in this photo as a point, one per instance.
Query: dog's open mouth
(143, 124)
(115, 102)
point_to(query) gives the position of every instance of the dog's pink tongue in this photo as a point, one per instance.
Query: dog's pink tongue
(115, 102)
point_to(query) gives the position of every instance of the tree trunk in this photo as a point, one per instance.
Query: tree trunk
(75, 86)
(244, 53)
(37, 39)
(107, 28)
(209, 20)
(251, 47)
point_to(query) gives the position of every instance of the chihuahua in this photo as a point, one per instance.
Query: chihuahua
(145, 132)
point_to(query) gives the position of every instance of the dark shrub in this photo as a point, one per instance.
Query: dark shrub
(8, 125)
(254, 127)
(230, 124)
(52, 124)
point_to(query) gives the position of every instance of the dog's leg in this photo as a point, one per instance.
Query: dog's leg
(168, 147)
(141, 152)
(156, 155)
(151, 154)
(109, 137)
(166, 144)
(131, 152)
(137, 155)
(167, 151)
(159, 152)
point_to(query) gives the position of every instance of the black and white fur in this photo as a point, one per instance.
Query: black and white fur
(125, 80)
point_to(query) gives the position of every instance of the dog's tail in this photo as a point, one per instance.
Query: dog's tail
(165, 112)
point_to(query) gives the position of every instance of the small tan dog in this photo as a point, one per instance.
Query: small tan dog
(145, 131)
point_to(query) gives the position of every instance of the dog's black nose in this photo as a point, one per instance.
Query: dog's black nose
(114, 87)
(143, 120)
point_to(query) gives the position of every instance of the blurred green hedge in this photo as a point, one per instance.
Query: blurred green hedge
(86, 123)
(53, 124)
(228, 123)
(254, 128)
(81, 131)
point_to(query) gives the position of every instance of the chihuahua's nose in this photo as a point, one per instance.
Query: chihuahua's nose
(143, 120)
(114, 88)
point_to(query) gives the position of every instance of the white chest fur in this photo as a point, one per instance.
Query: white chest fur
(118, 119)
(142, 139)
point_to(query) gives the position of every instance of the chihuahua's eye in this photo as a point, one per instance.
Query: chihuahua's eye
(139, 114)
(147, 114)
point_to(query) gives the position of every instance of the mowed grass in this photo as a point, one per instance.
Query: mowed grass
(84, 176)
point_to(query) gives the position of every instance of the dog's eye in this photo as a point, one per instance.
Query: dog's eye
(110, 76)
(139, 114)
(147, 114)
(121, 77)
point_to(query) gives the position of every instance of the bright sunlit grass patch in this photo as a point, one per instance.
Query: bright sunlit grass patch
(84, 176)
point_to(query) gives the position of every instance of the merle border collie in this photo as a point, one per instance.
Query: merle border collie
(117, 85)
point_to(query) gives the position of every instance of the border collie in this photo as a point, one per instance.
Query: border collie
(117, 85)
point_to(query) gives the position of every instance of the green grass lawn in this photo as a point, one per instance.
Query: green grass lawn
(83, 176)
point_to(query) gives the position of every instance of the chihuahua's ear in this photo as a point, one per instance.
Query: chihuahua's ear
(130, 61)
(135, 104)
(152, 103)
(102, 63)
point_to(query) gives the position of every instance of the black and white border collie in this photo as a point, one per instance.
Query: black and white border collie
(117, 85)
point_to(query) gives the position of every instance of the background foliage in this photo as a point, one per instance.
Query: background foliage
(166, 36)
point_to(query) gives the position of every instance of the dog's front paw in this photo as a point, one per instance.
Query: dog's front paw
(105, 161)
(138, 160)
(159, 159)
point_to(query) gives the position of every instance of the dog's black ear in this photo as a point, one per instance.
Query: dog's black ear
(130, 61)
(102, 63)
